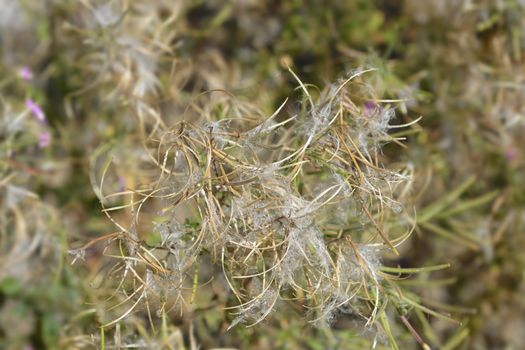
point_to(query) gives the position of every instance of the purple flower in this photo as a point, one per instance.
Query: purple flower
(44, 139)
(370, 107)
(36, 110)
(25, 73)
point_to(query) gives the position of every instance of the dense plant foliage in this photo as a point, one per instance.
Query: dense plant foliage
(262, 174)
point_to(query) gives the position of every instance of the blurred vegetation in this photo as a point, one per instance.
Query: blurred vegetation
(94, 93)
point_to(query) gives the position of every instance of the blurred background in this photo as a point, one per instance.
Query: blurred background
(84, 84)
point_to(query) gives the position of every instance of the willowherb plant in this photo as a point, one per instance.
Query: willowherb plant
(29, 247)
(295, 207)
(481, 144)
(24, 135)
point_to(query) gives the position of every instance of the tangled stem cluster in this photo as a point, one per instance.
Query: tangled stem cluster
(292, 208)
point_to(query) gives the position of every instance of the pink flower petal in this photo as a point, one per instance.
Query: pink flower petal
(25, 73)
(44, 139)
(36, 110)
